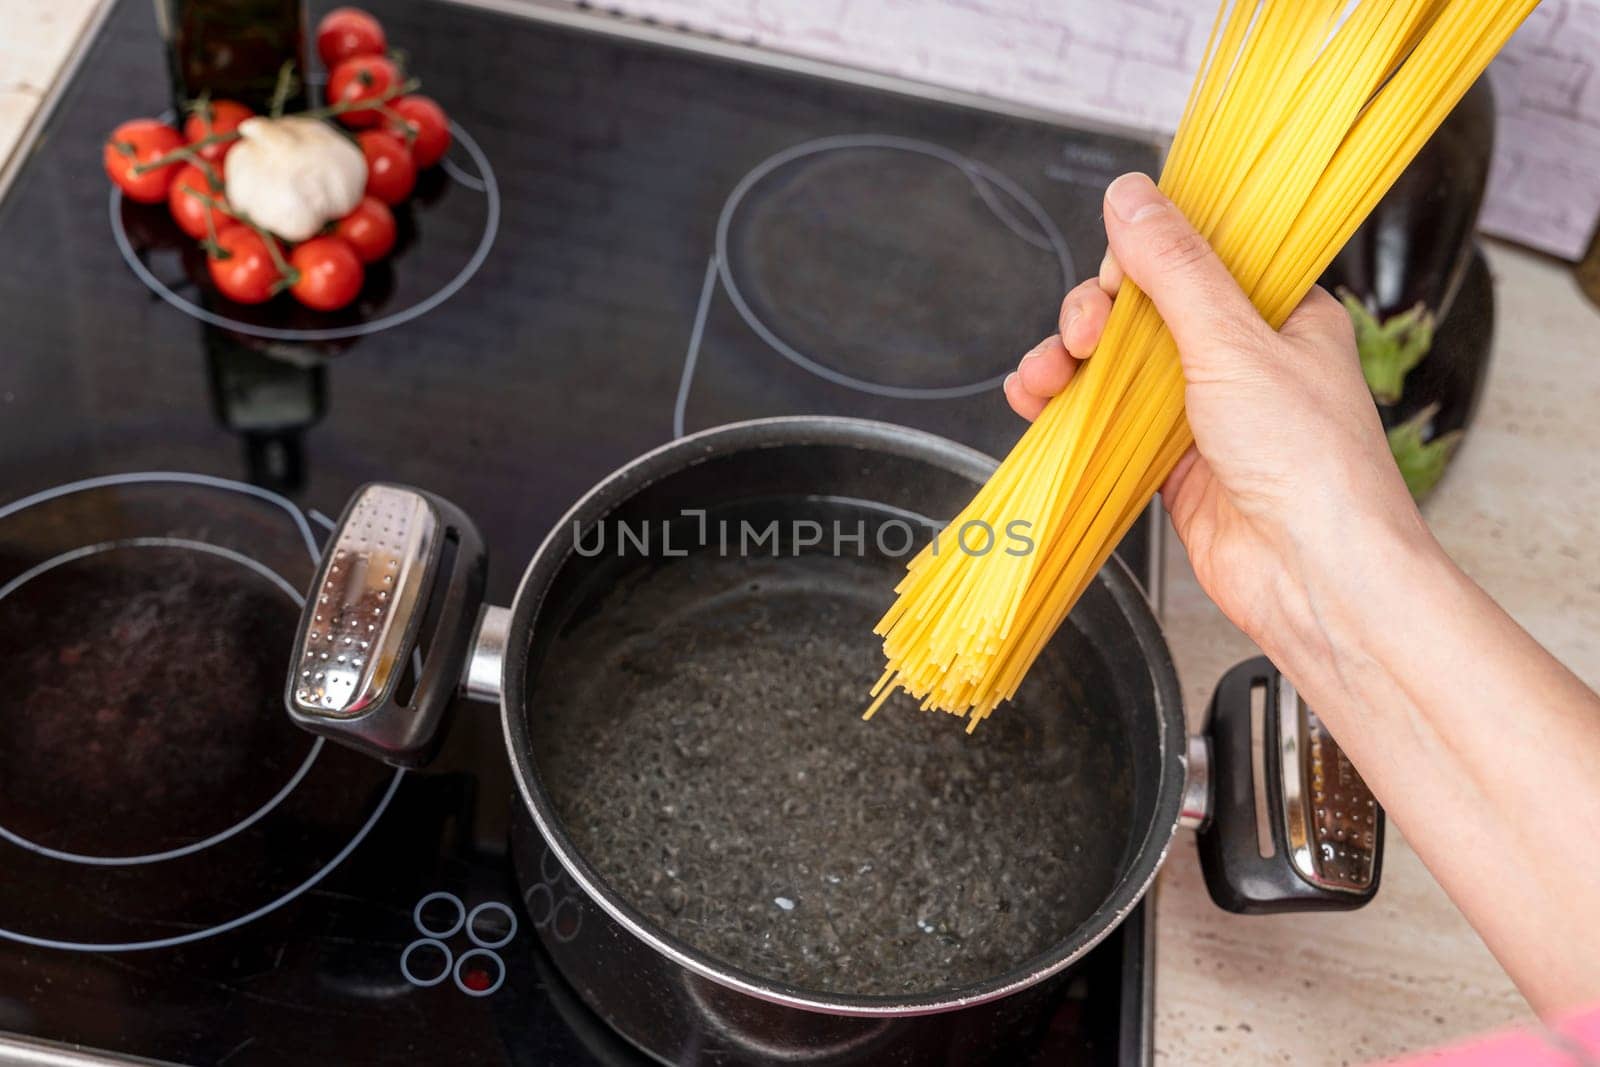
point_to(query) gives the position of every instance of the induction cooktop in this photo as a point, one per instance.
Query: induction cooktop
(637, 234)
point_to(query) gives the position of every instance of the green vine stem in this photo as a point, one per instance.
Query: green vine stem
(281, 91)
(187, 152)
(209, 169)
(287, 275)
(212, 247)
(201, 106)
(409, 129)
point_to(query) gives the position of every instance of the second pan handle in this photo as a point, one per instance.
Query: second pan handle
(403, 572)
(1326, 829)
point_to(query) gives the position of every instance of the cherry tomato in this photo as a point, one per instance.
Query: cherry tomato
(361, 78)
(245, 271)
(369, 229)
(330, 273)
(140, 141)
(425, 128)
(390, 173)
(349, 31)
(188, 210)
(217, 116)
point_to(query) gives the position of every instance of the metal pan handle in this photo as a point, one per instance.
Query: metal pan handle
(402, 578)
(1326, 826)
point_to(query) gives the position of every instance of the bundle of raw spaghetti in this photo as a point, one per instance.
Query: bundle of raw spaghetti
(1303, 114)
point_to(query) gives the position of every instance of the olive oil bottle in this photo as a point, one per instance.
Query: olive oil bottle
(234, 49)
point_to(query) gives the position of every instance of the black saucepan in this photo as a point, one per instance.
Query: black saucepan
(703, 590)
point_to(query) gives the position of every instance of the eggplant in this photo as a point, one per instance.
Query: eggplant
(1588, 269)
(1405, 277)
(1427, 419)
(1415, 246)
(1451, 377)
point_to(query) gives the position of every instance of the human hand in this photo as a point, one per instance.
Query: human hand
(1300, 528)
(1290, 482)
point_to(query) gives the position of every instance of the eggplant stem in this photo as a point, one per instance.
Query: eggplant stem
(1390, 348)
(1422, 461)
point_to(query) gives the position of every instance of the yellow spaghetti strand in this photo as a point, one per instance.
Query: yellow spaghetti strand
(1302, 115)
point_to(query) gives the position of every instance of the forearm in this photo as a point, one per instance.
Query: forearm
(1482, 748)
(1479, 744)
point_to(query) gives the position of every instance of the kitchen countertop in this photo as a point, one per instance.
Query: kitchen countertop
(1517, 510)
(38, 40)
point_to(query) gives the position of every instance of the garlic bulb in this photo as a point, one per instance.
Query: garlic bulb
(293, 175)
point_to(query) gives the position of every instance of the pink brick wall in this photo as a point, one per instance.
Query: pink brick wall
(1545, 188)
(1130, 61)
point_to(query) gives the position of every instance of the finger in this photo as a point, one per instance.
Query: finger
(1022, 402)
(1320, 317)
(1083, 318)
(1210, 317)
(1110, 276)
(1072, 303)
(1047, 369)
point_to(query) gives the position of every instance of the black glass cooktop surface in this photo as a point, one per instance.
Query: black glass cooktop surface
(630, 242)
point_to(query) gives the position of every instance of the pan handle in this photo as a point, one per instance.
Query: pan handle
(1326, 828)
(401, 581)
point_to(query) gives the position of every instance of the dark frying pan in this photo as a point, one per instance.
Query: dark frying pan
(700, 600)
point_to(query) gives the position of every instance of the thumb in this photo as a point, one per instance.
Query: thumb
(1210, 317)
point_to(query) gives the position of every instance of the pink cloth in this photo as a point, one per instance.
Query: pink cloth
(1570, 1042)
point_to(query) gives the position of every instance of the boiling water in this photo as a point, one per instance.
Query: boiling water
(699, 730)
